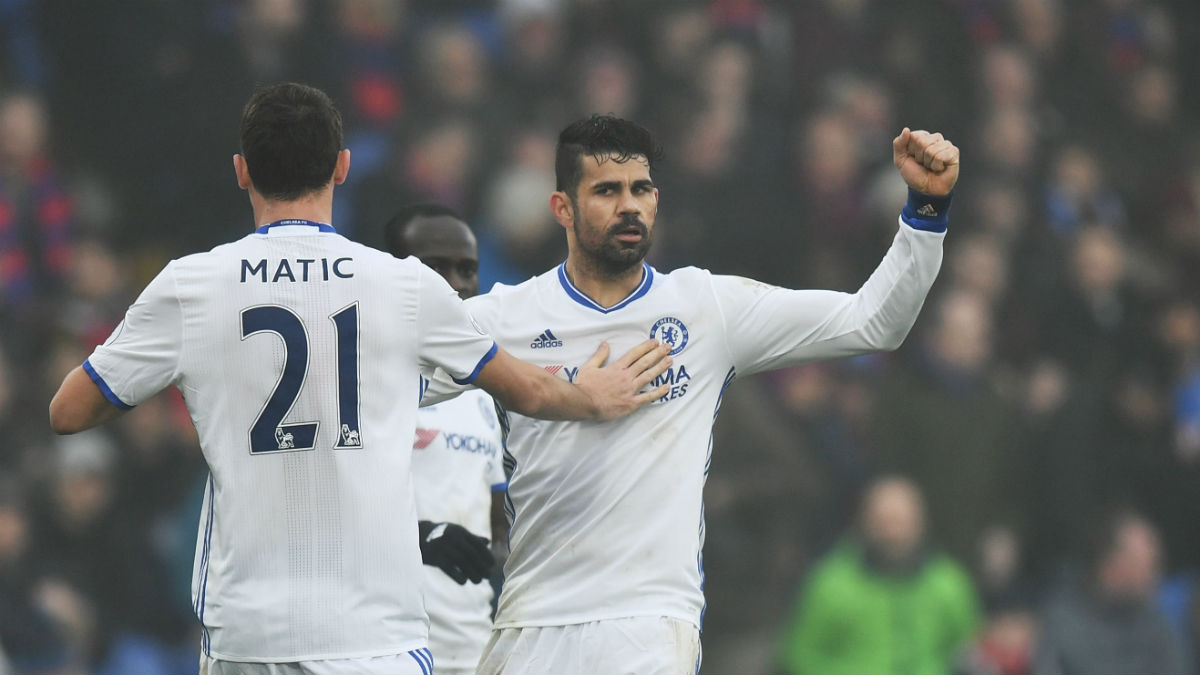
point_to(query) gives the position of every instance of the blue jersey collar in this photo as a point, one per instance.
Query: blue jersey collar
(322, 227)
(579, 296)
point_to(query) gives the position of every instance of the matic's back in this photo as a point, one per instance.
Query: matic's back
(298, 353)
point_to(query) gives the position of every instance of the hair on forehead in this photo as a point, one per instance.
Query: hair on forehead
(602, 137)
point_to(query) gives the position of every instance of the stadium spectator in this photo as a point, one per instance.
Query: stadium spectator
(36, 224)
(1105, 621)
(1005, 643)
(30, 640)
(521, 239)
(884, 601)
(439, 162)
(949, 375)
(91, 547)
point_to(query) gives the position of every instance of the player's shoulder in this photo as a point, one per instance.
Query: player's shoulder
(501, 293)
(683, 275)
(721, 285)
(681, 284)
(373, 255)
(201, 260)
(535, 284)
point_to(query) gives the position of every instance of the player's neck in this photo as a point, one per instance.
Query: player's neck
(317, 208)
(604, 288)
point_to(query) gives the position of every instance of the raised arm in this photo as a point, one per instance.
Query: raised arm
(769, 327)
(600, 392)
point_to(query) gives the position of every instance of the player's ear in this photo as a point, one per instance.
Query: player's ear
(342, 167)
(563, 209)
(242, 172)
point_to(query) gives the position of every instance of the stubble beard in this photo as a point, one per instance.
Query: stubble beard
(613, 258)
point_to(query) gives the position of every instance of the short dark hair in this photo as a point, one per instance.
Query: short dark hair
(600, 135)
(291, 137)
(394, 230)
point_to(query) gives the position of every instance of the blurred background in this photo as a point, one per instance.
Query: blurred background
(1017, 489)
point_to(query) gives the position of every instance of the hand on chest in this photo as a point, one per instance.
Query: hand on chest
(561, 347)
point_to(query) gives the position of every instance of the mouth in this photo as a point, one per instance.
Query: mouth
(629, 232)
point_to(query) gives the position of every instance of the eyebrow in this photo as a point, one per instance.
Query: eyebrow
(606, 185)
(616, 185)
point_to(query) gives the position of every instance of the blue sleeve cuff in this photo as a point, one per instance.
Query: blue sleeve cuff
(930, 213)
(499, 487)
(491, 354)
(104, 388)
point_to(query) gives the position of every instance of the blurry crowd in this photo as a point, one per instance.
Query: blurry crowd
(1038, 435)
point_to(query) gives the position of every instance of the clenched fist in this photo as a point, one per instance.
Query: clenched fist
(927, 162)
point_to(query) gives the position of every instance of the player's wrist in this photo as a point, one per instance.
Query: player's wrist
(596, 407)
(927, 212)
(590, 405)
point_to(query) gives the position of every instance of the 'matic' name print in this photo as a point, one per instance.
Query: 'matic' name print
(299, 269)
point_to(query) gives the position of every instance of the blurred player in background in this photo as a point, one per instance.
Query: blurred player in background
(458, 475)
(607, 519)
(296, 351)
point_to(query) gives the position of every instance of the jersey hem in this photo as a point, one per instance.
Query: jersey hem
(572, 621)
(389, 651)
(104, 388)
(491, 354)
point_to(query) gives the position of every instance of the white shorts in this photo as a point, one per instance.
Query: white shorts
(416, 662)
(637, 646)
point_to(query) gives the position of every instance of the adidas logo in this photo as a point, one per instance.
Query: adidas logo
(545, 341)
(928, 211)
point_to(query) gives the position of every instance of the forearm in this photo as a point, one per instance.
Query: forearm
(549, 398)
(596, 392)
(528, 390)
(781, 328)
(885, 308)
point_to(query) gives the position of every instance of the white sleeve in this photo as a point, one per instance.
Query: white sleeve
(768, 327)
(141, 357)
(448, 338)
(438, 387)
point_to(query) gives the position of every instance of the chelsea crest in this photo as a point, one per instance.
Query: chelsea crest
(671, 331)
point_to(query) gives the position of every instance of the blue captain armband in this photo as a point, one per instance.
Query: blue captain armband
(927, 212)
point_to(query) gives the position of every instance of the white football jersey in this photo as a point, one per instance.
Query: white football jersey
(296, 351)
(607, 518)
(457, 464)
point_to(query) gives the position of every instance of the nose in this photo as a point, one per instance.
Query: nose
(629, 204)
